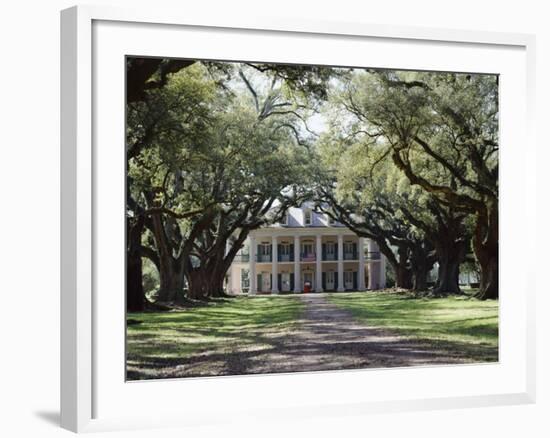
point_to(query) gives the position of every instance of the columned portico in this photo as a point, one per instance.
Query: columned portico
(297, 287)
(252, 265)
(282, 260)
(318, 264)
(274, 270)
(341, 287)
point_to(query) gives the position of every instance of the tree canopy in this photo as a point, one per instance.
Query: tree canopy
(440, 132)
(216, 150)
(208, 163)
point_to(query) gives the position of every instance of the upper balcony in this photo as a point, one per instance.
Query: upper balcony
(351, 255)
(285, 257)
(267, 258)
(264, 258)
(308, 257)
(241, 258)
(333, 256)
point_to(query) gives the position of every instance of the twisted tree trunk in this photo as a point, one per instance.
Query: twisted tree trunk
(403, 272)
(198, 284)
(208, 279)
(171, 266)
(217, 290)
(447, 275)
(421, 264)
(172, 277)
(450, 254)
(485, 245)
(135, 295)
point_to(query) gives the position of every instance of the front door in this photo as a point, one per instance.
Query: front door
(308, 278)
(330, 280)
(348, 280)
(349, 253)
(285, 280)
(266, 282)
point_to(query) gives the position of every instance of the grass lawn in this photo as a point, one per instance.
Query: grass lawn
(260, 334)
(157, 340)
(461, 325)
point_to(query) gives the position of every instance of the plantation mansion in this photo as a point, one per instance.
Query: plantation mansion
(306, 251)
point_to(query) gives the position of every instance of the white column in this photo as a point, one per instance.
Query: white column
(297, 287)
(318, 265)
(341, 287)
(252, 265)
(361, 273)
(274, 264)
(374, 266)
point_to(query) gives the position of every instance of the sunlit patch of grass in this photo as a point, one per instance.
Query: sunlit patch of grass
(218, 326)
(460, 325)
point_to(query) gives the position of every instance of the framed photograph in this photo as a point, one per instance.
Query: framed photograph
(283, 218)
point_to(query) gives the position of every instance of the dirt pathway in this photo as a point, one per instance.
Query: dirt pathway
(325, 338)
(330, 338)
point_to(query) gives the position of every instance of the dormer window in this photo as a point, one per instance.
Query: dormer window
(308, 217)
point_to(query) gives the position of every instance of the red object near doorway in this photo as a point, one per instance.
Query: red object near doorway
(307, 287)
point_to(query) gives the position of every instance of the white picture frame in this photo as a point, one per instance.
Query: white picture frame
(83, 314)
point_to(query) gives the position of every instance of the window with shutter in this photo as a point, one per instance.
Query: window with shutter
(284, 252)
(330, 251)
(264, 252)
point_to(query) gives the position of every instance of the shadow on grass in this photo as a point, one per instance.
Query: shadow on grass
(307, 356)
(265, 335)
(467, 323)
(181, 333)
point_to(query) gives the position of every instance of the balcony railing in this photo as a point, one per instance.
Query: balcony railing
(285, 257)
(304, 257)
(242, 258)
